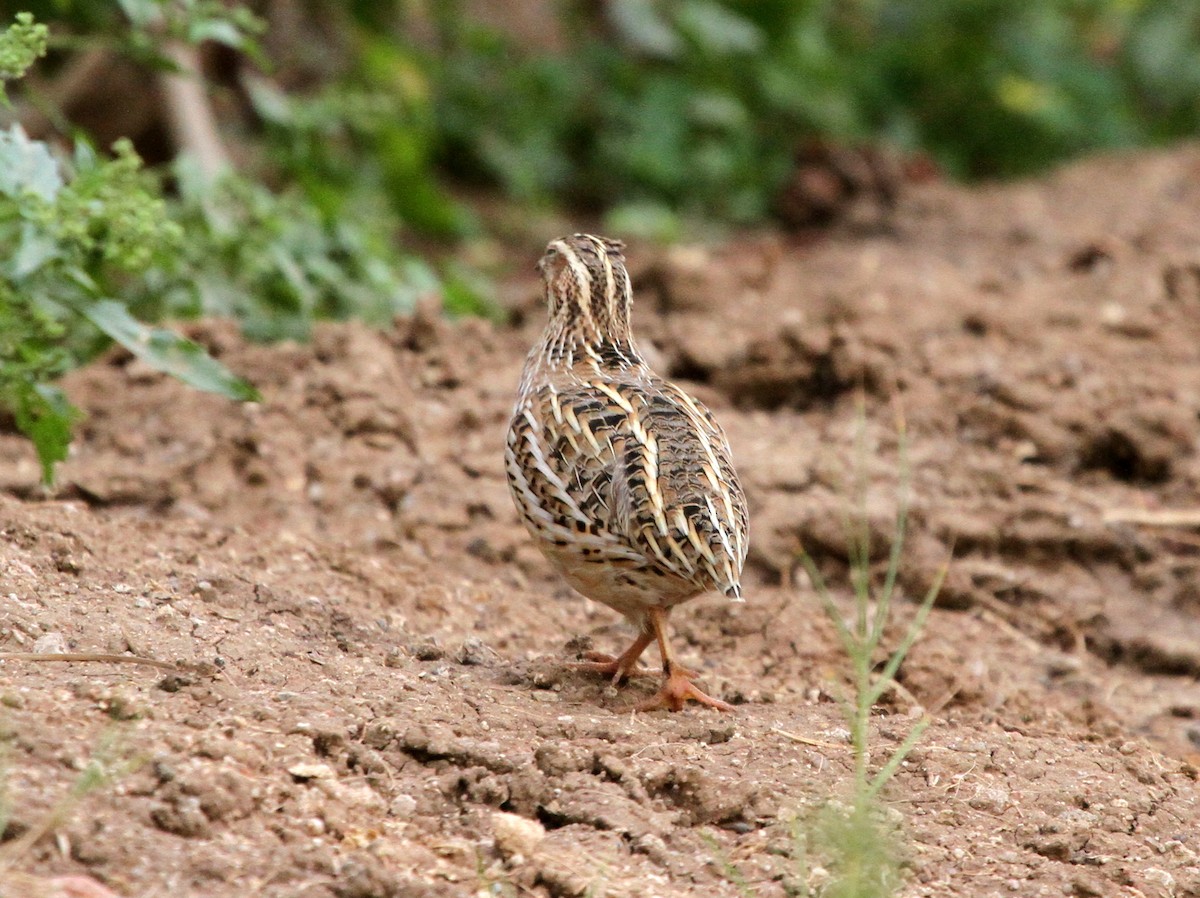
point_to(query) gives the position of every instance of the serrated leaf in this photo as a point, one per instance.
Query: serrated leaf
(27, 166)
(45, 416)
(168, 352)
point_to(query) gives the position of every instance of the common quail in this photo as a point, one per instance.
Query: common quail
(623, 479)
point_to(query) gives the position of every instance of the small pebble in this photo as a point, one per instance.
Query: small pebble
(516, 835)
(306, 771)
(428, 650)
(314, 826)
(51, 644)
(403, 807)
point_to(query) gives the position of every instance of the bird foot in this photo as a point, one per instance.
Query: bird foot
(616, 666)
(677, 690)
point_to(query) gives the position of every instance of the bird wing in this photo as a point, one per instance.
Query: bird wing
(560, 467)
(637, 470)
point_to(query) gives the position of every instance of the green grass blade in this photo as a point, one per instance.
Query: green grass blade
(897, 758)
(900, 533)
(848, 640)
(888, 672)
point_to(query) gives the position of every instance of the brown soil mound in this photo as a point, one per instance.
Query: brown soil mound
(370, 651)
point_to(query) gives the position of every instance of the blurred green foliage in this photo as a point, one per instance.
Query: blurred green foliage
(649, 112)
(276, 264)
(20, 46)
(367, 135)
(698, 105)
(94, 247)
(77, 234)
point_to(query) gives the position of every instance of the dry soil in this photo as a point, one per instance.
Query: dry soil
(371, 695)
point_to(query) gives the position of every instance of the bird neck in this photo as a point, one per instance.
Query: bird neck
(568, 348)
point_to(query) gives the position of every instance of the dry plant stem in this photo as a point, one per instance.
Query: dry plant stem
(27, 886)
(804, 740)
(1164, 517)
(189, 113)
(88, 656)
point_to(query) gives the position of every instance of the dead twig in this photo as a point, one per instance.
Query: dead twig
(89, 656)
(804, 740)
(1149, 517)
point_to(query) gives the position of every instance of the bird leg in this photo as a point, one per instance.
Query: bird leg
(621, 667)
(678, 687)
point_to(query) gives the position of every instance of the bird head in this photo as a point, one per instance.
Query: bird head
(587, 288)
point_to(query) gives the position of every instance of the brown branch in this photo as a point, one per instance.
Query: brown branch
(190, 116)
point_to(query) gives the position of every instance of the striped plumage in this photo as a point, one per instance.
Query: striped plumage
(623, 478)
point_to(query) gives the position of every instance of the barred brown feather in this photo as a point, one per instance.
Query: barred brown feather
(624, 480)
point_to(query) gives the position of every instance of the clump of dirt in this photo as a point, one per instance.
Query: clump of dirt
(369, 696)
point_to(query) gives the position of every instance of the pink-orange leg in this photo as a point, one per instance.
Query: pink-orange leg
(678, 688)
(622, 666)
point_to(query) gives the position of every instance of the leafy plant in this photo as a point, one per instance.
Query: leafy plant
(140, 29)
(364, 139)
(96, 248)
(855, 839)
(191, 21)
(275, 264)
(20, 47)
(108, 763)
(77, 234)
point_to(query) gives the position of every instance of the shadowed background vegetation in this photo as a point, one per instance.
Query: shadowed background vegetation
(282, 162)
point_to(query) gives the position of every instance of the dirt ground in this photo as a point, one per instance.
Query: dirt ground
(371, 654)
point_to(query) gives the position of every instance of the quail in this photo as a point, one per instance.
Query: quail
(624, 480)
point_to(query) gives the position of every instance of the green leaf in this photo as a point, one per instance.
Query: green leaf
(645, 219)
(142, 13)
(220, 31)
(34, 249)
(719, 30)
(643, 26)
(269, 101)
(27, 166)
(168, 352)
(45, 416)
